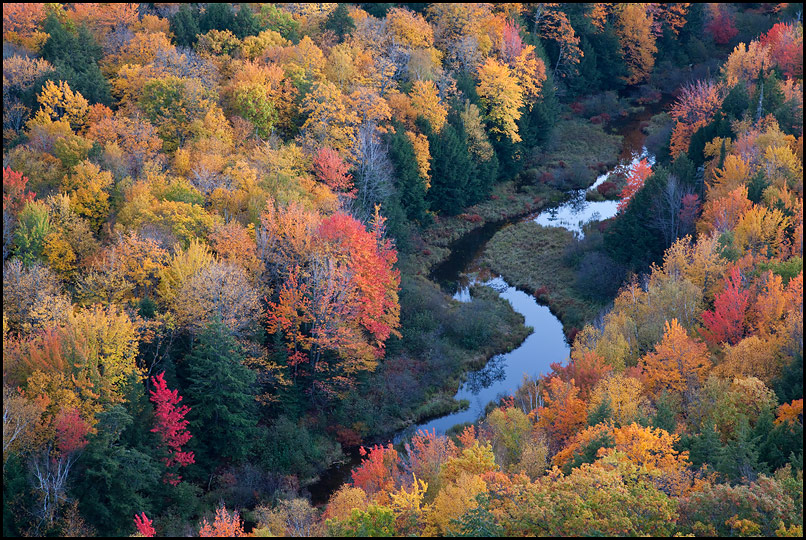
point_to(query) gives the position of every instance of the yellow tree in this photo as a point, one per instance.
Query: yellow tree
(678, 362)
(60, 102)
(425, 100)
(634, 26)
(624, 396)
(502, 98)
(331, 120)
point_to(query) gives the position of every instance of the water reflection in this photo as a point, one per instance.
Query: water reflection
(504, 373)
(577, 212)
(485, 377)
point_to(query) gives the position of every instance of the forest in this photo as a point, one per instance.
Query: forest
(511, 269)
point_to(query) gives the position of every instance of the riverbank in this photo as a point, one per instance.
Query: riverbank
(532, 258)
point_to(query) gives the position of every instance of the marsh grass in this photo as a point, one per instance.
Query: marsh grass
(532, 258)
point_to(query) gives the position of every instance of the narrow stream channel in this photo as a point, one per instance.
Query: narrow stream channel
(546, 344)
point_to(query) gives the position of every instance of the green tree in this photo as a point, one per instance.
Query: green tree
(221, 393)
(114, 481)
(75, 55)
(410, 186)
(246, 24)
(452, 170)
(185, 26)
(340, 22)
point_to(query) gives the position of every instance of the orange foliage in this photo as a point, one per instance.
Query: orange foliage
(790, 412)
(225, 524)
(694, 108)
(678, 363)
(563, 413)
(635, 181)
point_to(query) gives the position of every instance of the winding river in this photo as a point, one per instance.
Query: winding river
(546, 344)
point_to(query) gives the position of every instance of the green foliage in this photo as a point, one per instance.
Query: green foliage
(602, 413)
(114, 481)
(245, 23)
(375, 521)
(185, 26)
(410, 187)
(292, 448)
(278, 20)
(221, 393)
(217, 16)
(33, 228)
(75, 55)
(253, 104)
(452, 171)
(339, 21)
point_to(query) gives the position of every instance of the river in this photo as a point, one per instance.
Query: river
(547, 343)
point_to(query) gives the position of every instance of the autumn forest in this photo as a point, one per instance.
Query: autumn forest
(402, 269)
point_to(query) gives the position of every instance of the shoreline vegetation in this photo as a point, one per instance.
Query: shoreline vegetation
(250, 248)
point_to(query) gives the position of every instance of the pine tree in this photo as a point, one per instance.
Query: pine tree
(221, 393)
(452, 170)
(410, 186)
(704, 448)
(246, 24)
(185, 26)
(739, 459)
(602, 413)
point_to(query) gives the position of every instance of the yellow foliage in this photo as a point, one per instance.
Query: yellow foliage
(60, 102)
(422, 154)
(624, 395)
(184, 265)
(425, 101)
(453, 500)
(502, 97)
(761, 231)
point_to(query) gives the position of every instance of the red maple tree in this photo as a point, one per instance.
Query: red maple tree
(170, 424)
(726, 323)
(635, 181)
(144, 526)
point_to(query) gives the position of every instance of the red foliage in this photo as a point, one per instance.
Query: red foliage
(14, 194)
(143, 525)
(170, 424)
(607, 189)
(427, 452)
(71, 431)
(512, 44)
(586, 370)
(635, 181)
(378, 471)
(332, 170)
(722, 28)
(786, 48)
(726, 323)
(371, 260)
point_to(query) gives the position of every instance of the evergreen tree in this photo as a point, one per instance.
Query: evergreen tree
(739, 459)
(185, 26)
(452, 170)
(704, 447)
(602, 413)
(75, 56)
(245, 24)
(410, 186)
(217, 16)
(664, 414)
(114, 481)
(220, 391)
(789, 385)
(339, 22)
